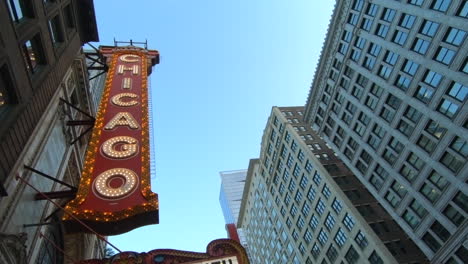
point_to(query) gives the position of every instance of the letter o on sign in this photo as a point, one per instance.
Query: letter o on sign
(115, 183)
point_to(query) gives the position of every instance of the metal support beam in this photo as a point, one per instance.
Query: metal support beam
(97, 75)
(77, 109)
(81, 135)
(41, 224)
(50, 177)
(56, 195)
(80, 123)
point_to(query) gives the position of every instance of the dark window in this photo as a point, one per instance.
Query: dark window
(55, 29)
(424, 94)
(352, 256)
(431, 242)
(19, 9)
(33, 54)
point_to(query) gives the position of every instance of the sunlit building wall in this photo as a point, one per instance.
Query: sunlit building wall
(302, 205)
(389, 96)
(230, 197)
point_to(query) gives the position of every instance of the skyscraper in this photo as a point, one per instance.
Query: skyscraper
(302, 205)
(230, 197)
(389, 97)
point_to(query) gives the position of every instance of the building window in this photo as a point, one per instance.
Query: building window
(322, 237)
(441, 232)
(416, 2)
(388, 15)
(444, 55)
(458, 91)
(378, 177)
(313, 223)
(407, 21)
(352, 256)
(361, 240)
(431, 242)
(399, 37)
(308, 236)
(426, 144)
(320, 207)
(455, 36)
(329, 222)
(366, 24)
(435, 129)
(348, 222)
(340, 237)
(337, 206)
(447, 108)
(424, 94)
(420, 46)
(454, 215)
(353, 19)
(451, 162)
(429, 28)
(326, 192)
(432, 78)
(374, 258)
(19, 9)
(463, 10)
(305, 209)
(385, 71)
(332, 253)
(315, 251)
(382, 30)
(415, 161)
(441, 5)
(33, 54)
(410, 67)
(311, 194)
(459, 145)
(317, 178)
(55, 29)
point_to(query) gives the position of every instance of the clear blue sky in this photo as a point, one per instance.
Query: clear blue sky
(224, 64)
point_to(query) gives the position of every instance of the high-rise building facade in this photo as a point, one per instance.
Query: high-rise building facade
(302, 205)
(42, 75)
(230, 198)
(389, 96)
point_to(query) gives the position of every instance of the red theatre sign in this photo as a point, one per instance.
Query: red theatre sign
(114, 195)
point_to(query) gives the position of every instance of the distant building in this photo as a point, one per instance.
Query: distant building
(41, 63)
(230, 197)
(390, 98)
(302, 205)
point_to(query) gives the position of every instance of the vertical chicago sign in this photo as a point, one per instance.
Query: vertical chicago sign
(115, 195)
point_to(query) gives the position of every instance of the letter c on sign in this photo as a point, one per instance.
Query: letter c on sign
(117, 99)
(129, 58)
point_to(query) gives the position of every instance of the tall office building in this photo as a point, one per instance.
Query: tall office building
(230, 197)
(41, 67)
(302, 205)
(389, 96)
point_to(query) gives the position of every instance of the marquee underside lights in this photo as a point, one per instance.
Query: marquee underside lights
(115, 194)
